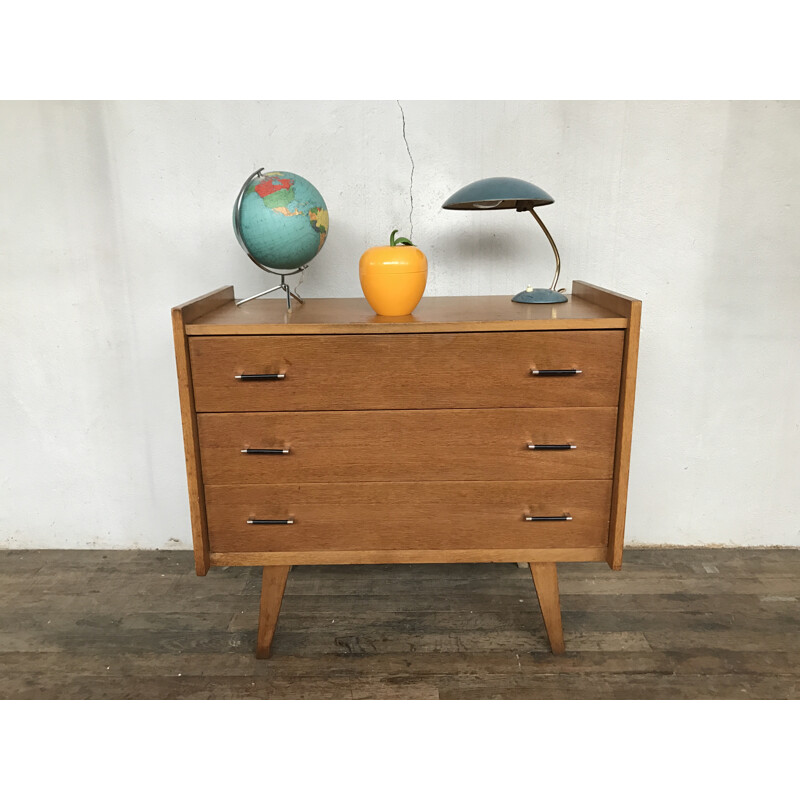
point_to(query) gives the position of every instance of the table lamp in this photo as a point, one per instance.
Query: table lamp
(491, 193)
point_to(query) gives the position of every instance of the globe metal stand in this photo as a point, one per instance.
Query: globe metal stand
(282, 286)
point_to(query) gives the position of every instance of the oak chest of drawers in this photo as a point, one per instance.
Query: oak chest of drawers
(474, 430)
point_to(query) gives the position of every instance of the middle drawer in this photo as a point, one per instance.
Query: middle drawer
(421, 445)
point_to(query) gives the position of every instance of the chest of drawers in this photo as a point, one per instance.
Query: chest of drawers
(474, 430)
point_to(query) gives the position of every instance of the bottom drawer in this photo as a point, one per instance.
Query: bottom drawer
(408, 516)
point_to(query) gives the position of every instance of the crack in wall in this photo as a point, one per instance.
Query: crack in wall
(411, 183)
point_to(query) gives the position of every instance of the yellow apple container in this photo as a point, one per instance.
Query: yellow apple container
(393, 278)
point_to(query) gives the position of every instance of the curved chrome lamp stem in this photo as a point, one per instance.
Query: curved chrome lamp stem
(553, 245)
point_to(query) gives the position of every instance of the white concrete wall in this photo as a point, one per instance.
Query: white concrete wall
(113, 212)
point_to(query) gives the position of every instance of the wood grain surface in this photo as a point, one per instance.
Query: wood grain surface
(676, 623)
(476, 555)
(415, 516)
(346, 315)
(412, 435)
(336, 446)
(469, 370)
(205, 304)
(194, 478)
(632, 310)
(273, 584)
(622, 458)
(545, 579)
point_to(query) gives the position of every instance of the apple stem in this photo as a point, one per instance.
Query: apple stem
(399, 240)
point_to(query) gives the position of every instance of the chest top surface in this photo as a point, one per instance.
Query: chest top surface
(434, 314)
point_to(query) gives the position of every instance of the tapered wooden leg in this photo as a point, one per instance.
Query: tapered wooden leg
(545, 579)
(273, 583)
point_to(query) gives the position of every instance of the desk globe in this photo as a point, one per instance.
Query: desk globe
(281, 222)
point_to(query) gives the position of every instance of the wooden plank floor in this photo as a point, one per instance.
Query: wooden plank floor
(674, 623)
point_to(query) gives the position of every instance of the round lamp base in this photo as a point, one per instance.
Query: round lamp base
(539, 296)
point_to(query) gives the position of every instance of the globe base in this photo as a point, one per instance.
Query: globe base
(281, 287)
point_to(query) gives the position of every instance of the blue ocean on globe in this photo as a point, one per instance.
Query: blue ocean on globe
(283, 220)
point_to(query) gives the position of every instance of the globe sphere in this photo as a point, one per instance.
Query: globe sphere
(280, 220)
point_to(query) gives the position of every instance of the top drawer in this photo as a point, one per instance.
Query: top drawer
(393, 371)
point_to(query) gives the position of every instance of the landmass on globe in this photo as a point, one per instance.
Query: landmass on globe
(278, 195)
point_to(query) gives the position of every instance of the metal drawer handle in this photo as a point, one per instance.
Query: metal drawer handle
(563, 518)
(543, 373)
(552, 446)
(262, 376)
(270, 522)
(265, 451)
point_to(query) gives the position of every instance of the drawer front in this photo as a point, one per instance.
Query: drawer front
(409, 516)
(395, 371)
(343, 446)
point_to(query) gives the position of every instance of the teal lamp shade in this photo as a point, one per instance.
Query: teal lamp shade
(491, 193)
(497, 193)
